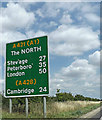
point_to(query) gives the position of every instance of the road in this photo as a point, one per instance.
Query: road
(98, 115)
(95, 114)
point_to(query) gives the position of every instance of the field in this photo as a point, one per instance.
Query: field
(68, 109)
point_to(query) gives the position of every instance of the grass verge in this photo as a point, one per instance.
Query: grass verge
(69, 109)
(75, 113)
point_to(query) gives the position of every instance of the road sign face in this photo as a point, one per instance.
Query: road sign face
(27, 68)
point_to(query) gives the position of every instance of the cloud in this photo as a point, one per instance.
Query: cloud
(78, 69)
(1, 81)
(0, 49)
(54, 8)
(91, 0)
(73, 40)
(1, 84)
(51, 1)
(79, 77)
(39, 13)
(92, 18)
(26, 5)
(88, 84)
(66, 40)
(66, 19)
(82, 13)
(52, 24)
(95, 58)
(89, 7)
(15, 17)
(51, 10)
(12, 36)
(8, 37)
(32, 34)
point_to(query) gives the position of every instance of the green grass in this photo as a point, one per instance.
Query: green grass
(36, 110)
(6, 114)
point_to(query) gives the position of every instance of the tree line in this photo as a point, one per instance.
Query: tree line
(19, 103)
(60, 97)
(68, 96)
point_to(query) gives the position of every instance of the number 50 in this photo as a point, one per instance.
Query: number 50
(42, 71)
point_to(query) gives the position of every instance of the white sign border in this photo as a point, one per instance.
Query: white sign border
(23, 96)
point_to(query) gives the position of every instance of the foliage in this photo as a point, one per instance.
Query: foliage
(79, 97)
(82, 98)
(69, 109)
(19, 103)
(64, 96)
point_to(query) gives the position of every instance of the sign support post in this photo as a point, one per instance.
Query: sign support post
(44, 106)
(10, 107)
(27, 70)
(26, 107)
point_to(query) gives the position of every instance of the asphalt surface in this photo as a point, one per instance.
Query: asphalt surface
(98, 115)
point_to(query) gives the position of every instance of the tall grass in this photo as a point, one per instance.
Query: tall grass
(54, 108)
(68, 106)
(36, 110)
(67, 109)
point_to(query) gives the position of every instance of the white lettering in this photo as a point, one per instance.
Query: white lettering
(18, 91)
(15, 74)
(8, 91)
(30, 50)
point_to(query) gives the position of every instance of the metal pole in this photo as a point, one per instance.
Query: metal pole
(44, 107)
(26, 107)
(10, 105)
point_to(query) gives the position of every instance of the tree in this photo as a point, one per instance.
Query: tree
(79, 97)
(64, 96)
(58, 90)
